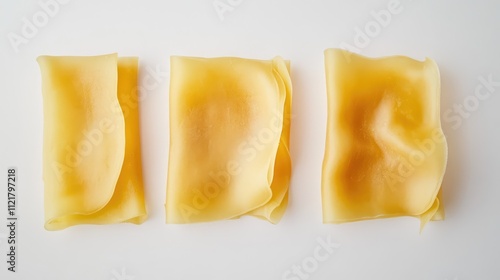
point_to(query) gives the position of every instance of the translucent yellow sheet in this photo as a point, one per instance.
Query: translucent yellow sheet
(229, 139)
(385, 150)
(91, 149)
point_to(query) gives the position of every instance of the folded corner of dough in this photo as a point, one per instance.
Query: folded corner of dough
(91, 148)
(229, 139)
(385, 150)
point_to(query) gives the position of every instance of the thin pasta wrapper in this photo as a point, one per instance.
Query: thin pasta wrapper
(229, 139)
(385, 150)
(91, 148)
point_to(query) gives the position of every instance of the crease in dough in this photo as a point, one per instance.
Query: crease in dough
(92, 168)
(229, 139)
(385, 151)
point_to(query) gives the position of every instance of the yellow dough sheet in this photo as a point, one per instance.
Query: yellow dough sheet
(229, 139)
(91, 147)
(385, 150)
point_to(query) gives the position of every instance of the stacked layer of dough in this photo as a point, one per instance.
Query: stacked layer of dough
(229, 138)
(91, 152)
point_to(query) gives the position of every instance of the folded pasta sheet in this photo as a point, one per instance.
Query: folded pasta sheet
(229, 139)
(91, 150)
(385, 150)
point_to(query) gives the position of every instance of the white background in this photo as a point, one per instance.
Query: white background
(462, 38)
